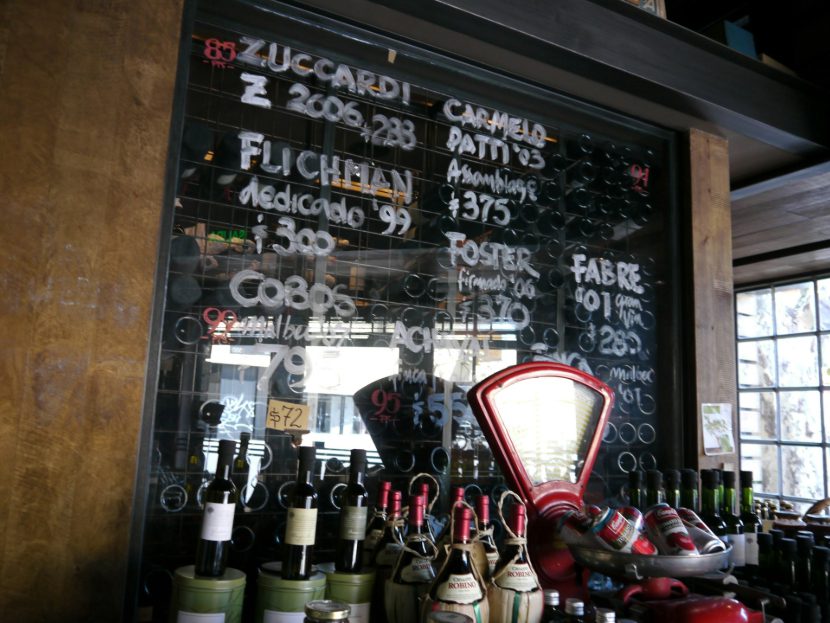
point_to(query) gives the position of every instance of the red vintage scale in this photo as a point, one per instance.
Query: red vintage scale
(544, 424)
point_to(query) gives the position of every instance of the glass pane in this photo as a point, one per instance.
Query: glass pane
(795, 308)
(826, 396)
(754, 310)
(762, 461)
(800, 416)
(551, 422)
(825, 359)
(797, 362)
(757, 413)
(756, 364)
(802, 472)
(824, 303)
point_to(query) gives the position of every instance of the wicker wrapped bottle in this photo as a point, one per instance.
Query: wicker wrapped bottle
(515, 594)
(413, 571)
(459, 587)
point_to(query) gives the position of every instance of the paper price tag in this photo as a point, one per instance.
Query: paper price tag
(288, 416)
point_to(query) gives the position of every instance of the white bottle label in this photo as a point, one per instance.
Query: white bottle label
(518, 577)
(275, 616)
(217, 521)
(359, 613)
(353, 523)
(492, 561)
(461, 589)
(200, 617)
(738, 543)
(751, 546)
(301, 526)
(417, 571)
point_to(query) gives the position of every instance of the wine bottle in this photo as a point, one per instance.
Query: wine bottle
(242, 467)
(516, 596)
(424, 491)
(552, 613)
(636, 495)
(391, 541)
(413, 572)
(710, 504)
(734, 525)
(349, 552)
(377, 523)
(672, 479)
(301, 522)
(485, 535)
(574, 610)
(217, 520)
(445, 538)
(458, 586)
(752, 524)
(688, 490)
(654, 488)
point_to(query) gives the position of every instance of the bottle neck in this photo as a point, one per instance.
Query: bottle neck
(305, 473)
(709, 501)
(357, 475)
(689, 499)
(729, 499)
(747, 501)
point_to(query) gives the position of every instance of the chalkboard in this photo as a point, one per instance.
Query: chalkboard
(352, 249)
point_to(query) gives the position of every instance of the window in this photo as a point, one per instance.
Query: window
(783, 348)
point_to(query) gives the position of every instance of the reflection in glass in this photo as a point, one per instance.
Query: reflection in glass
(757, 414)
(825, 359)
(756, 364)
(800, 416)
(795, 308)
(797, 362)
(824, 304)
(801, 468)
(754, 310)
(551, 421)
(762, 461)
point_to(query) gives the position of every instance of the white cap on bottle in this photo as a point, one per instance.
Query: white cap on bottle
(551, 597)
(574, 606)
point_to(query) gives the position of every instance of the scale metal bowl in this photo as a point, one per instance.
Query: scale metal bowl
(637, 566)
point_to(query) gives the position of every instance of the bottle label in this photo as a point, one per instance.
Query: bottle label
(461, 589)
(217, 521)
(388, 555)
(275, 616)
(751, 548)
(372, 538)
(518, 577)
(492, 561)
(353, 523)
(200, 617)
(301, 526)
(738, 543)
(418, 571)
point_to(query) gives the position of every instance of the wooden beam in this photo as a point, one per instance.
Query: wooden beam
(712, 343)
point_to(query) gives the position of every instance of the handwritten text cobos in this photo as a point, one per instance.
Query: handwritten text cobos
(293, 294)
(359, 81)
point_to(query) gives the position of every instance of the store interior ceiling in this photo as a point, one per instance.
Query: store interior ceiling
(780, 197)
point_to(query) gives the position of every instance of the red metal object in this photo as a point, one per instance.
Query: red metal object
(699, 609)
(546, 501)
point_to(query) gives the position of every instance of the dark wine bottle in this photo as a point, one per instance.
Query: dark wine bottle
(485, 535)
(552, 613)
(348, 556)
(391, 542)
(301, 522)
(734, 525)
(672, 479)
(377, 523)
(445, 538)
(217, 520)
(688, 490)
(654, 488)
(752, 524)
(424, 489)
(710, 503)
(458, 583)
(574, 610)
(636, 494)
(414, 565)
(241, 466)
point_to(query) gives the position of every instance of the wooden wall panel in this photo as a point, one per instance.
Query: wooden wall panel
(86, 90)
(710, 233)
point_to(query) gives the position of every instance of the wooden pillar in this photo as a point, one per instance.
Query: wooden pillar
(711, 321)
(86, 92)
